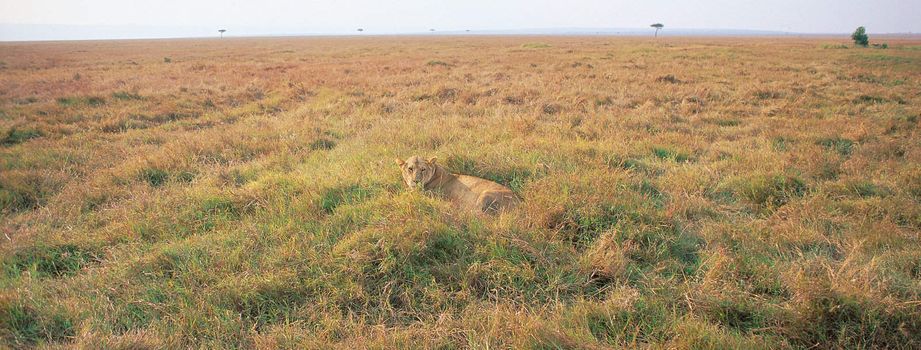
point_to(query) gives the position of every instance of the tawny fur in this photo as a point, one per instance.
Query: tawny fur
(466, 191)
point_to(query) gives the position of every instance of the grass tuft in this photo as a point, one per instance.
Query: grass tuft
(535, 45)
(49, 261)
(154, 177)
(840, 145)
(17, 135)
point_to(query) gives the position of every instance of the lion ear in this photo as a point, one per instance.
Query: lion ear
(432, 160)
(400, 162)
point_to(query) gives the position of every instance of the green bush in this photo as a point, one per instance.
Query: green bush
(860, 37)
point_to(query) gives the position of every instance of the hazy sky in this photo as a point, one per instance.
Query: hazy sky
(186, 17)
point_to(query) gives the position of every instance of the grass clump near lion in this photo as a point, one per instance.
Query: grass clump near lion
(254, 202)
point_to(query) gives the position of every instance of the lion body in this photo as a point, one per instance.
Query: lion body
(466, 191)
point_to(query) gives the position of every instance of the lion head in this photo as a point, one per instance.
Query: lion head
(417, 172)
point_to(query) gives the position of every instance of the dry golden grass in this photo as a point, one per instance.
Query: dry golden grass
(678, 193)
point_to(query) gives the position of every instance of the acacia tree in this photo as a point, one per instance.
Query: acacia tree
(222, 32)
(860, 37)
(657, 26)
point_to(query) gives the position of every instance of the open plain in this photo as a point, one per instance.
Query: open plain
(677, 193)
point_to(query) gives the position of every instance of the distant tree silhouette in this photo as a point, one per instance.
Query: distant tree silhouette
(222, 32)
(361, 29)
(432, 29)
(860, 37)
(657, 26)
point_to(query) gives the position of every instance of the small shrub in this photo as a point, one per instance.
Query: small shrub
(860, 36)
(167, 60)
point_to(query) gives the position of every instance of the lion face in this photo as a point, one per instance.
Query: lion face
(417, 172)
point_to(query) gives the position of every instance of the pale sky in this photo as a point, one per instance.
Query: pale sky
(200, 18)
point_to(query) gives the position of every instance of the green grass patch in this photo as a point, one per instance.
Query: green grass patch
(154, 177)
(741, 315)
(535, 46)
(92, 101)
(647, 321)
(21, 191)
(19, 135)
(838, 144)
(848, 322)
(95, 101)
(49, 261)
(25, 327)
(345, 195)
(671, 154)
(765, 192)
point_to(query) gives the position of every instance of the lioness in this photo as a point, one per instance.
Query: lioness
(466, 191)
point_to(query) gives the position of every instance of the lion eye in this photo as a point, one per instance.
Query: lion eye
(410, 168)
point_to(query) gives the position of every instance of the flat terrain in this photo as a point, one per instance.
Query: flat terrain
(678, 193)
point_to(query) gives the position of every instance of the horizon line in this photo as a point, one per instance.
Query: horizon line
(548, 31)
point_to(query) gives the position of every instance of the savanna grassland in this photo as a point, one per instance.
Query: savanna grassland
(677, 193)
